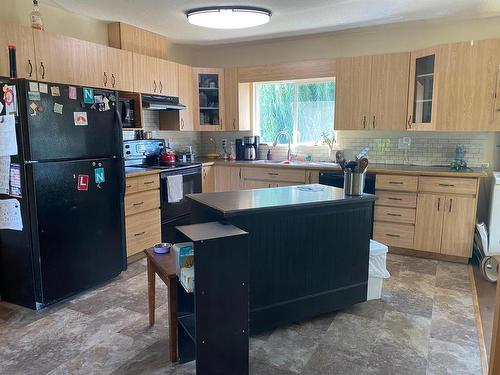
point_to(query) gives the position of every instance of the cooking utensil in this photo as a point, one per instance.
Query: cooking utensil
(340, 159)
(361, 154)
(351, 165)
(362, 165)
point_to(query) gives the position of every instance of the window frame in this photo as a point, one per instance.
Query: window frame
(295, 82)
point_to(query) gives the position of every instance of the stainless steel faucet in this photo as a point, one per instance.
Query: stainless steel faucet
(289, 153)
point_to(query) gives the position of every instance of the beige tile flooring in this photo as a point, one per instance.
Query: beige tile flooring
(424, 324)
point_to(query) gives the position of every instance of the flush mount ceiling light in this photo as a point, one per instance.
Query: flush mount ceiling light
(228, 17)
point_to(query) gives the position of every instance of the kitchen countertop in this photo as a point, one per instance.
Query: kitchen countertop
(417, 170)
(234, 203)
(136, 171)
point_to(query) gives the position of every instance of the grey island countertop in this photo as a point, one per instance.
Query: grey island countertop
(234, 203)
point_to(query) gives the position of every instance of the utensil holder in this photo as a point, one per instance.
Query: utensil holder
(354, 182)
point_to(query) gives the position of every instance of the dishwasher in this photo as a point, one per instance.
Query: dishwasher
(336, 179)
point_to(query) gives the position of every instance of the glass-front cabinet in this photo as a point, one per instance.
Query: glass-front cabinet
(422, 92)
(210, 112)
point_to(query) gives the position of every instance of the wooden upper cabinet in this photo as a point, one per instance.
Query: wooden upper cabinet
(352, 101)
(58, 58)
(485, 101)
(186, 97)
(22, 38)
(181, 120)
(209, 99)
(168, 77)
(389, 91)
(119, 65)
(145, 72)
(455, 87)
(231, 98)
(423, 89)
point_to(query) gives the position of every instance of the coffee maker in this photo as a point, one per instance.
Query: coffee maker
(247, 148)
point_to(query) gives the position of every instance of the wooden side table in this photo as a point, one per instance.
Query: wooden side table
(164, 266)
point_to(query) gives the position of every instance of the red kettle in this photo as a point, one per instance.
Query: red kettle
(167, 156)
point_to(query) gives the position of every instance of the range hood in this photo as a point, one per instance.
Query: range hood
(161, 103)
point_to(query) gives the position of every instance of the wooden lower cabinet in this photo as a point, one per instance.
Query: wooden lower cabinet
(142, 212)
(438, 218)
(208, 179)
(458, 226)
(143, 231)
(227, 178)
(445, 224)
(429, 222)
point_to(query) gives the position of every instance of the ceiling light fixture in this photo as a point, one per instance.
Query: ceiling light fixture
(228, 17)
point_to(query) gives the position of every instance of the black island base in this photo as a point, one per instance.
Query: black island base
(308, 248)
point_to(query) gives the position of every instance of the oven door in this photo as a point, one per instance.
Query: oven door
(191, 184)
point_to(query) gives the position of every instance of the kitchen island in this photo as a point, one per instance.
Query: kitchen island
(309, 248)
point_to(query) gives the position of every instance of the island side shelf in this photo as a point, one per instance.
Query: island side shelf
(212, 322)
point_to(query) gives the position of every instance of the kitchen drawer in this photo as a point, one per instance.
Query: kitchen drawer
(396, 199)
(448, 185)
(143, 231)
(142, 183)
(392, 234)
(275, 174)
(395, 214)
(396, 182)
(142, 201)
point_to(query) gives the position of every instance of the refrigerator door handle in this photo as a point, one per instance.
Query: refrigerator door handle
(30, 161)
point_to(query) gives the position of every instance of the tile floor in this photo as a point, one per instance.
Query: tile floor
(424, 324)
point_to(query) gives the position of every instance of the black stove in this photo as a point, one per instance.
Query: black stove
(145, 153)
(167, 166)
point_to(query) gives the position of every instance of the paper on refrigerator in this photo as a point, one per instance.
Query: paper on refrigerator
(4, 174)
(8, 139)
(10, 214)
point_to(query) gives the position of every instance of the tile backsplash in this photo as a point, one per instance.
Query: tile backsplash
(181, 140)
(429, 148)
(426, 148)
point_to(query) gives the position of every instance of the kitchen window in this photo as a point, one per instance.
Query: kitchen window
(303, 108)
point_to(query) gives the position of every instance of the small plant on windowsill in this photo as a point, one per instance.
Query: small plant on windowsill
(329, 139)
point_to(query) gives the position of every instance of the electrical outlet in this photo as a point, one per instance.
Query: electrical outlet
(404, 143)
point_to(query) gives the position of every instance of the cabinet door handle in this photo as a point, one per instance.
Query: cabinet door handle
(42, 68)
(373, 122)
(273, 173)
(182, 123)
(447, 185)
(393, 235)
(30, 71)
(391, 214)
(239, 173)
(105, 79)
(149, 182)
(364, 122)
(409, 122)
(439, 203)
(113, 80)
(234, 123)
(139, 234)
(138, 204)
(128, 186)
(451, 204)
(161, 87)
(154, 85)
(396, 182)
(395, 199)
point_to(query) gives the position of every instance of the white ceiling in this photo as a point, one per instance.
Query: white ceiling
(290, 17)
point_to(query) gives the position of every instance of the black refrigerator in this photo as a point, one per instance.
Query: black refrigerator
(70, 162)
